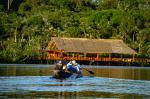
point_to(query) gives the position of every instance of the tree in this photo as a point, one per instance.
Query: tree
(143, 38)
(31, 26)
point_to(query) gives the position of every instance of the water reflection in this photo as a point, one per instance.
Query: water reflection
(136, 73)
(25, 70)
(35, 81)
(81, 87)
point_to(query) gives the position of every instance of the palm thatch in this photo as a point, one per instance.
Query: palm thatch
(89, 45)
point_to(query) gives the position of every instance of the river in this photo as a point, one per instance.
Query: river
(35, 81)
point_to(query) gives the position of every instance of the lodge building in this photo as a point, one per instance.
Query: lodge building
(84, 49)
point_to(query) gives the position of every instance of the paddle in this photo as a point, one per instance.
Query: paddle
(91, 72)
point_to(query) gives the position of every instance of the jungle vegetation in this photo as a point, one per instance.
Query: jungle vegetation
(28, 26)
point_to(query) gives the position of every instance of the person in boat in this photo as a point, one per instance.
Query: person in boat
(60, 69)
(60, 65)
(74, 67)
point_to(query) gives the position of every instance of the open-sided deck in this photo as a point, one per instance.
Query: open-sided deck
(123, 59)
(83, 49)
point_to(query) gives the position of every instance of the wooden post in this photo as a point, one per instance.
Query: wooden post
(122, 61)
(133, 58)
(97, 56)
(109, 56)
(100, 57)
(67, 55)
(121, 57)
(73, 55)
(84, 55)
(109, 59)
(54, 53)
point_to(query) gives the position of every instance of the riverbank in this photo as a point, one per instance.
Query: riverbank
(84, 66)
(93, 63)
(97, 63)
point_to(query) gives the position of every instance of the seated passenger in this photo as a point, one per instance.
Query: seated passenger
(73, 67)
(60, 65)
(59, 68)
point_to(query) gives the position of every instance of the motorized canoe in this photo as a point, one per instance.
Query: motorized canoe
(59, 74)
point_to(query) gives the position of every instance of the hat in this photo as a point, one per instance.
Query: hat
(74, 62)
(59, 63)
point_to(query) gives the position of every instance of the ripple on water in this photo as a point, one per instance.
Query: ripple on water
(97, 84)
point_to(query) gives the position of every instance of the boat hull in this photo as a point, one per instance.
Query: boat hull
(65, 75)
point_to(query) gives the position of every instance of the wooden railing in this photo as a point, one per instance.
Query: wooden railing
(54, 57)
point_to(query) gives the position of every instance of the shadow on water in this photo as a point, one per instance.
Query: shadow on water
(35, 81)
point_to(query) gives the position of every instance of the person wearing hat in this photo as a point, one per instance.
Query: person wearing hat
(60, 68)
(60, 64)
(74, 67)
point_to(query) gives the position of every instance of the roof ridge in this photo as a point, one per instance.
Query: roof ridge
(83, 38)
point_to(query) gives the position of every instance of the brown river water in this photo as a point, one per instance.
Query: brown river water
(34, 81)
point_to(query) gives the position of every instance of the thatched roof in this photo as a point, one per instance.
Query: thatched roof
(89, 45)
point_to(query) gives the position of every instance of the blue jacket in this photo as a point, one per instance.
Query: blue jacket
(72, 68)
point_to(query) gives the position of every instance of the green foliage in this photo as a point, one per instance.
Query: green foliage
(12, 50)
(107, 4)
(32, 48)
(27, 30)
(1, 7)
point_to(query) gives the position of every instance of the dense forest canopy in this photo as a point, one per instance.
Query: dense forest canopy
(28, 25)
